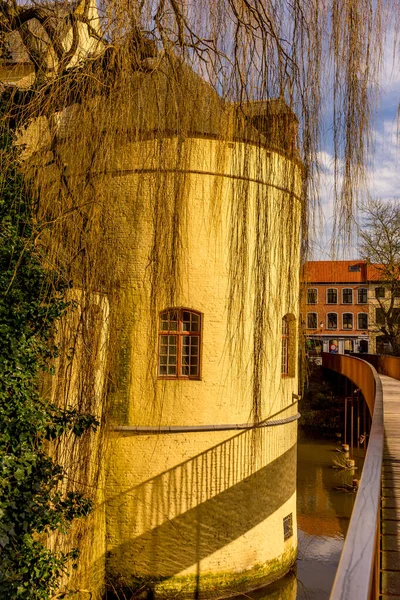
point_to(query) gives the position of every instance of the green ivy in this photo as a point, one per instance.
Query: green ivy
(32, 300)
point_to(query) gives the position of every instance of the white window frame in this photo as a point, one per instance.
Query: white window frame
(337, 296)
(327, 321)
(358, 290)
(352, 320)
(316, 300)
(312, 313)
(352, 296)
(358, 324)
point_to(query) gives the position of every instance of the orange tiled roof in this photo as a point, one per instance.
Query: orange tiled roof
(335, 271)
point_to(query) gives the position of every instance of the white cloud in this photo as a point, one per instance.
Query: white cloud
(383, 173)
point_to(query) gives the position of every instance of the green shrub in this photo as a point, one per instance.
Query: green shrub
(32, 300)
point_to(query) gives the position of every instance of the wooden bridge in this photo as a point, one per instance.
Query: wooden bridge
(369, 567)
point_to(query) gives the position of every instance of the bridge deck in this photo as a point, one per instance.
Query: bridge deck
(390, 525)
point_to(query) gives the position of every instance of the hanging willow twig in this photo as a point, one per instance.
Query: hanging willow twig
(159, 68)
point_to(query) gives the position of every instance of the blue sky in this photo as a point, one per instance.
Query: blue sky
(383, 169)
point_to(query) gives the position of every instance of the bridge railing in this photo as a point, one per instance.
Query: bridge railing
(357, 577)
(383, 363)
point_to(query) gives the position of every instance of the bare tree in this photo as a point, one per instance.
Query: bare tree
(380, 246)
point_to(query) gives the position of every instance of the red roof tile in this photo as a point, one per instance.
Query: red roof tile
(334, 271)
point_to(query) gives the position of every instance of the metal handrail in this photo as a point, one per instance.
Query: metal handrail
(357, 576)
(138, 430)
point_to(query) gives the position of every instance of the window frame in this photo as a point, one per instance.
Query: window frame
(285, 347)
(316, 319)
(383, 314)
(380, 295)
(362, 289)
(358, 321)
(180, 333)
(327, 321)
(352, 321)
(309, 290)
(352, 295)
(327, 293)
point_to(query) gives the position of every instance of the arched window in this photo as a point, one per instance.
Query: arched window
(362, 295)
(347, 296)
(362, 321)
(312, 296)
(331, 321)
(331, 296)
(179, 344)
(347, 320)
(312, 320)
(285, 346)
(289, 344)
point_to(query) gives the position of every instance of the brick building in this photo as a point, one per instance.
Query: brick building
(335, 306)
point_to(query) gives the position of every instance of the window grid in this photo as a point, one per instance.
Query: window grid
(331, 296)
(179, 344)
(347, 296)
(332, 320)
(362, 296)
(312, 296)
(347, 321)
(312, 320)
(379, 292)
(362, 321)
(168, 355)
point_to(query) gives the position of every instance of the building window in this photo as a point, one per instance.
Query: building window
(362, 321)
(312, 320)
(348, 346)
(354, 268)
(362, 295)
(331, 296)
(312, 295)
(285, 346)
(379, 292)
(380, 316)
(347, 320)
(331, 321)
(347, 296)
(179, 344)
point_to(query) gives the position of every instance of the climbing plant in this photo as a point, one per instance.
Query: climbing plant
(32, 301)
(80, 115)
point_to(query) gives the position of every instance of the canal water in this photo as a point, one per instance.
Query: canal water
(323, 515)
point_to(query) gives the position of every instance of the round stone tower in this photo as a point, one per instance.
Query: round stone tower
(201, 477)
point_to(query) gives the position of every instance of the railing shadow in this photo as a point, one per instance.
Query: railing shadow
(173, 521)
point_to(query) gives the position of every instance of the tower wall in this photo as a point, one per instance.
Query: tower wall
(201, 511)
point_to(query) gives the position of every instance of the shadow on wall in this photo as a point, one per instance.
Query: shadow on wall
(173, 521)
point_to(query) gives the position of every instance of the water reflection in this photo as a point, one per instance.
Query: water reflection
(323, 515)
